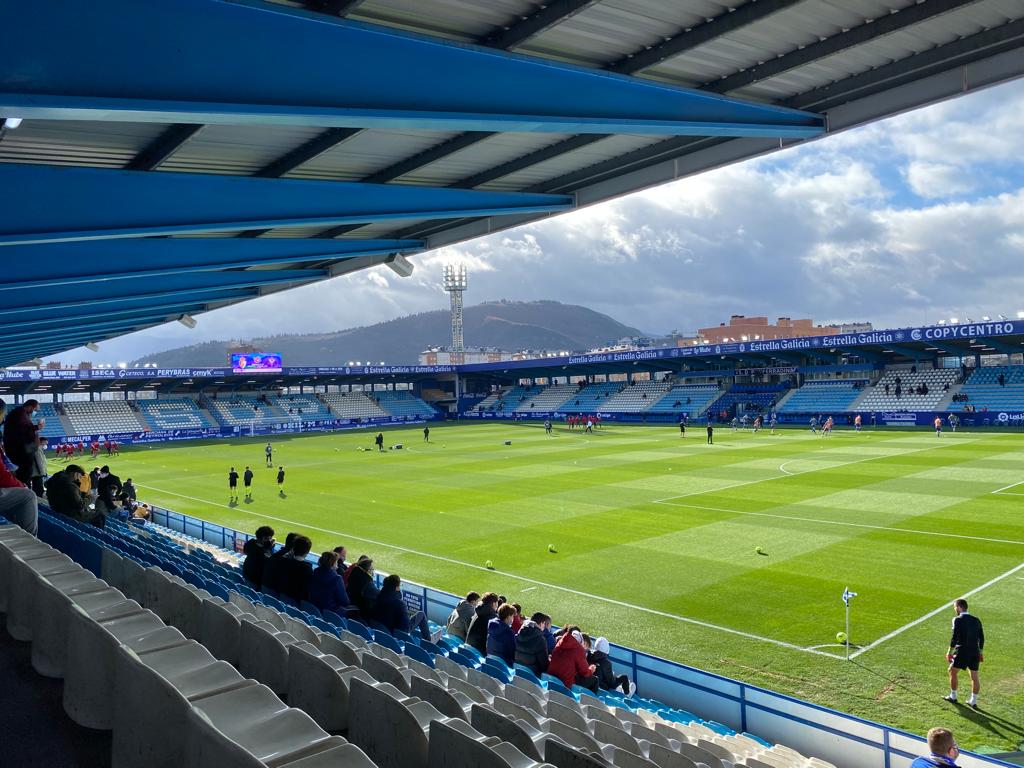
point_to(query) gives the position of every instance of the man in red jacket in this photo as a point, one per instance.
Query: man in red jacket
(17, 503)
(21, 438)
(569, 661)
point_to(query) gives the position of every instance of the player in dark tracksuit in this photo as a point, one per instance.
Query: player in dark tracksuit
(711, 433)
(247, 480)
(280, 481)
(966, 646)
(233, 484)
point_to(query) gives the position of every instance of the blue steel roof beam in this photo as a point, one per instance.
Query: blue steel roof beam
(313, 148)
(211, 67)
(141, 314)
(45, 300)
(163, 146)
(93, 330)
(32, 266)
(729, 21)
(872, 29)
(116, 204)
(156, 304)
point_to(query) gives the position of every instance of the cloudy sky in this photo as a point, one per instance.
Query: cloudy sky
(901, 222)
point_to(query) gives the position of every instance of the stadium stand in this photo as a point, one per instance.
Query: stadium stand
(353, 405)
(547, 400)
(691, 399)
(53, 425)
(984, 391)
(876, 398)
(637, 397)
(185, 664)
(827, 396)
(303, 407)
(94, 418)
(508, 399)
(748, 398)
(401, 402)
(592, 397)
(175, 413)
(245, 409)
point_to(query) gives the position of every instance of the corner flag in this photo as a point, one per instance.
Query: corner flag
(847, 596)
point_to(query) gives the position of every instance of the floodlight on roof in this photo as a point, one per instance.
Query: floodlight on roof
(12, 122)
(92, 346)
(188, 321)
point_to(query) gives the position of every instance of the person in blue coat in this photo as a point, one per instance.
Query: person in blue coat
(327, 588)
(943, 748)
(501, 640)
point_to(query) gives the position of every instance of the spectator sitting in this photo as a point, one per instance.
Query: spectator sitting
(943, 748)
(517, 620)
(257, 551)
(476, 636)
(108, 489)
(501, 640)
(532, 643)
(606, 677)
(17, 503)
(462, 615)
(342, 553)
(296, 571)
(64, 495)
(390, 610)
(362, 591)
(569, 661)
(327, 588)
(128, 490)
(272, 569)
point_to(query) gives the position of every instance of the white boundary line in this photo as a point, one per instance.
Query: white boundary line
(842, 522)
(1008, 487)
(944, 607)
(782, 467)
(805, 472)
(548, 585)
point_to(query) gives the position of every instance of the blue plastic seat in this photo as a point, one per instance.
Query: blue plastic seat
(498, 674)
(413, 651)
(449, 641)
(500, 663)
(217, 590)
(462, 660)
(405, 637)
(309, 608)
(383, 638)
(469, 650)
(294, 612)
(554, 684)
(271, 591)
(332, 618)
(528, 674)
(358, 628)
(758, 739)
(580, 692)
(323, 626)
(433, 648)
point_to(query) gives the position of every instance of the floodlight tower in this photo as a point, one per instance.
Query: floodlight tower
(455, 284)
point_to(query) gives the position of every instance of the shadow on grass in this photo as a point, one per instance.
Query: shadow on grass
(999, 726)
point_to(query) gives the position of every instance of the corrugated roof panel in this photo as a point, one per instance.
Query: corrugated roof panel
(237, 149)
(367, 152)
(460, 19)
(481, 156)
(54, 142)
(610, 30)
(606, 148)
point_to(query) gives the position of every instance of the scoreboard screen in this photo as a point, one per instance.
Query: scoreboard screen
(256, 362)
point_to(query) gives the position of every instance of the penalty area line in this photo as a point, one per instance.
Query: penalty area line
(1008, 487)
(944, 607)
(535, 582)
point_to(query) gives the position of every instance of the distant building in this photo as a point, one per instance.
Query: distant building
(742, 328)
(855, 327)
(447, 356)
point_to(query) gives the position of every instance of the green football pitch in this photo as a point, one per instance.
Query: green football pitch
(729, 557)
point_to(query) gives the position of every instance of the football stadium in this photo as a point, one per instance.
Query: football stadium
(718, 552)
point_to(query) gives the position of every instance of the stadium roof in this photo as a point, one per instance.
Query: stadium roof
(177, 156)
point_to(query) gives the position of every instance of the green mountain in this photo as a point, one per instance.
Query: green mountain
(508, 325)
